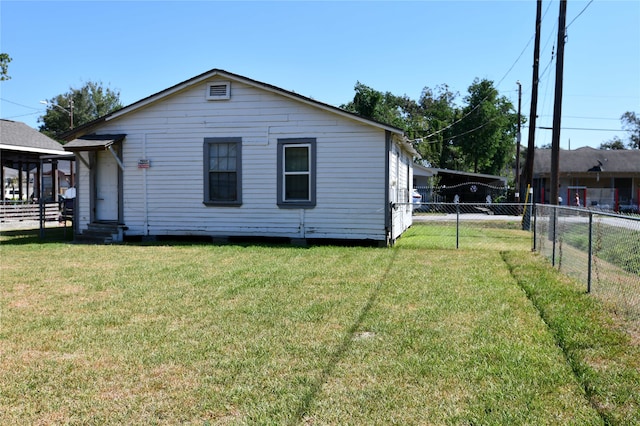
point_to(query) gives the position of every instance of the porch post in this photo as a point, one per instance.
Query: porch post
(20, 190)
(41, 199)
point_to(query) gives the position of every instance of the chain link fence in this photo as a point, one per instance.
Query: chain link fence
(467, 192)
(600, 249)
(471, 225)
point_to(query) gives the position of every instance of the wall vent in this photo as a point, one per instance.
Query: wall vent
(218, 91)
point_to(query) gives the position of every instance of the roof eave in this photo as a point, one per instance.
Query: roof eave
(86, 128)
(33, 150)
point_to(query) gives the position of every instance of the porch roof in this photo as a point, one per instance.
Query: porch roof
(93, 142)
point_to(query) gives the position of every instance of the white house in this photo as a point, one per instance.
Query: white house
(223, 156)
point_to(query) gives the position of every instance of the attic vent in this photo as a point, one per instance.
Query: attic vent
(218, 90)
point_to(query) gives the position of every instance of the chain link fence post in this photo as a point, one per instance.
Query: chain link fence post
(553, 233)
(590, 256)
(457, 225)
(534, 215)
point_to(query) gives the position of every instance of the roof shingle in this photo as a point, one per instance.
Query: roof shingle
(582, 159)
(15, 133)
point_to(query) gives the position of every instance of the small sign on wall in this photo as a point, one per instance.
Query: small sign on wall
(144, 164)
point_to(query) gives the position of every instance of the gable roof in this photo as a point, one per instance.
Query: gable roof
(88, 127)
(587, 159)
(17, 136)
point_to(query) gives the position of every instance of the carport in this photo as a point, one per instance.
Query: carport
(37, 167)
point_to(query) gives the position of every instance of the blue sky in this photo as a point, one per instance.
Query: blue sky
(321, 49)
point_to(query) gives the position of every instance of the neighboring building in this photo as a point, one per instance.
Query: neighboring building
(442, 185)
(22, 150)
(221, 155)
(608, 179)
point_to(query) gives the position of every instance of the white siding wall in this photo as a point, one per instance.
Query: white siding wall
(167, 198)
(83, 194)
(400, 178)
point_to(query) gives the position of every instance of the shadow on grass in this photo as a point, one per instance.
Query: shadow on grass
(59, 235)
(338, 354)
(32, 236)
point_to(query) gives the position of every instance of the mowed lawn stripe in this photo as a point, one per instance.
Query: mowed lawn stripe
(452, 339)
(250, 334)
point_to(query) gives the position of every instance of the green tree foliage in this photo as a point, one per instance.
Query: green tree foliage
(89, 102)
(433, 113)
(630, 123)
(487, 132)
(435, 143)
(478, 137)
(615, 143)
(4, 66)
(382, 107)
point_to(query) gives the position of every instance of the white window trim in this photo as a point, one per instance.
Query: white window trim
(297, 173)
(310, 144)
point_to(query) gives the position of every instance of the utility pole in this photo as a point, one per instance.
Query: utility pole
(531, 146)
(518, 139)
(71, 111)
(557, 105)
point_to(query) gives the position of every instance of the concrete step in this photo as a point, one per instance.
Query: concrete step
(101, 233)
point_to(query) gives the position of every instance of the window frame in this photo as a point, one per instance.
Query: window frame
(208, 143)
(283, 144)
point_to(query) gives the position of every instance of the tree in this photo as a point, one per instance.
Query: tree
(615, 143)
(78, 106)
(438, 114)
(383, 107)
(631, 123)
(486, 134)
(479, 137)
(429, 116)
(4, 66)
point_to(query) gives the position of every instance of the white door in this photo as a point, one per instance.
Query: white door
(106, 187)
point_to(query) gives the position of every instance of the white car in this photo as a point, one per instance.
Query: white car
(416, 199)
(11, 193)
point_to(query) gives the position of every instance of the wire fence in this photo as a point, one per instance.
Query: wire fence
(598, 248)
(472, 225)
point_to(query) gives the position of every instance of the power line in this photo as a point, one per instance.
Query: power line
(551, 61)
(496, 87)
(523, 51)
(450, 138)
(21, 115)
(578, 15)
(24, 106)
(584, 118)
(516, 61)
(473, 130)
(582, 128)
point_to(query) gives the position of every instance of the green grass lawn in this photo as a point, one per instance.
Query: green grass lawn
(258, 334)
